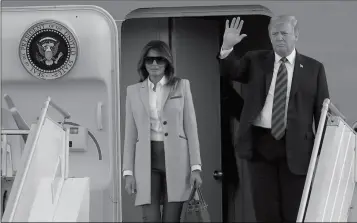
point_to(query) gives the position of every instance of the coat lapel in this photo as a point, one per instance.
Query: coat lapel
(268, 67)
(144, 95)
(297, 75)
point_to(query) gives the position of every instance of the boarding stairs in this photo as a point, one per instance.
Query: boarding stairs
(332, 175)
(37, 188)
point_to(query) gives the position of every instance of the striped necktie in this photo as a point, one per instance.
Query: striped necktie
(278, 123)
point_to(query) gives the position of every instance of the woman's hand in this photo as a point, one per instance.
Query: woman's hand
(130, 185)
(196, 179)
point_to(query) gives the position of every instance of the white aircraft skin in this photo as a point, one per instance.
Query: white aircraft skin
(97, 82)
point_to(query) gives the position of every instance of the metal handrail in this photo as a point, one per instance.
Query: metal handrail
(335, 111)
(14, 132)
(354, 126)
(65, 114)
(326, 107)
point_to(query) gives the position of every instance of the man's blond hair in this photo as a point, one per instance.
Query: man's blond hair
(285, 18)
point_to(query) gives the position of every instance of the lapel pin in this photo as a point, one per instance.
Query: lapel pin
(301, 66)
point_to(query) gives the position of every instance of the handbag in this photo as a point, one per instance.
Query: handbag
(195, 209)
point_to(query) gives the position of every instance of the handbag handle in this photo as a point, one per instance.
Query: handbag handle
(193, 191)
(200, 196)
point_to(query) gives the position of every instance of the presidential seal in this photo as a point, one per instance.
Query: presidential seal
(48, 50)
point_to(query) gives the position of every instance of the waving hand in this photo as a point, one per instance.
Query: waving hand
(232, 34)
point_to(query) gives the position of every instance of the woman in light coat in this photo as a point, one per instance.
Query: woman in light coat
(161, 148)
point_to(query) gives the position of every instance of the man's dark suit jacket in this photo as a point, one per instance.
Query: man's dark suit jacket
(308, 91)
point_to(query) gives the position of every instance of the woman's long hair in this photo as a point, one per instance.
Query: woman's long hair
(165, 52)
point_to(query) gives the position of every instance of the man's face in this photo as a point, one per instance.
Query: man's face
(282, 37)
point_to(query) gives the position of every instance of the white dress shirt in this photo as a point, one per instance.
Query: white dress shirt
(155, 104)
(265, 116)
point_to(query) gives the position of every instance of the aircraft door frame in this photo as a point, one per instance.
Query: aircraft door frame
(167, 12)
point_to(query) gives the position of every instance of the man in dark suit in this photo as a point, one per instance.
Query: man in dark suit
(285, 92)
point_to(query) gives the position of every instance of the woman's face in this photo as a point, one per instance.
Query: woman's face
(155, 64)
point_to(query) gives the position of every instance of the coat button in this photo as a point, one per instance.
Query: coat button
(166, 134)
(165, 122)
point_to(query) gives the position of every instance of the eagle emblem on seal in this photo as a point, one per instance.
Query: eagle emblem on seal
(47, 51)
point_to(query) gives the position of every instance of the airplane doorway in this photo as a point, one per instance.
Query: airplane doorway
(195, 42)
(236, 196)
